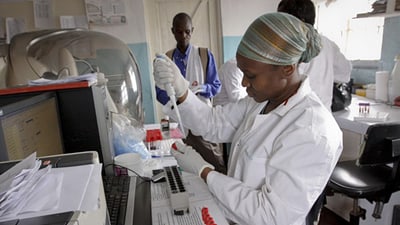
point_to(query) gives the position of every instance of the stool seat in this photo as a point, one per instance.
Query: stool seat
(360, 181)
(375, 175)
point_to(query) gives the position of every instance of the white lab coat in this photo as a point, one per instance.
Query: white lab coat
(195, 72)
(280, 162)
(231, 83)
(328, 66)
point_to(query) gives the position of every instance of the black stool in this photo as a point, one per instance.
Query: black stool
(376, 173)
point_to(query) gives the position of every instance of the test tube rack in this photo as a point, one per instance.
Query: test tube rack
(179, 197)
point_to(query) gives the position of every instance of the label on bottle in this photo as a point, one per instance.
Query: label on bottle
(164, 125)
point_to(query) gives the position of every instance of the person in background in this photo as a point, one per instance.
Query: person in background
(205, 84)
(330, 65)
(285, 143)
(231, 81)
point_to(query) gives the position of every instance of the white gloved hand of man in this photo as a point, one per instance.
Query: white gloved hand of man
(166, 72)
(188, 159)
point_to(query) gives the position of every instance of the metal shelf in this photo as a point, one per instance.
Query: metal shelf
(392, 9)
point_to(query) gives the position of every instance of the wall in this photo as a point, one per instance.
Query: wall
(390, 48)
(237, 16)
(391, 42)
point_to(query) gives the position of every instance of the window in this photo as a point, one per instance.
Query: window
(358, 39)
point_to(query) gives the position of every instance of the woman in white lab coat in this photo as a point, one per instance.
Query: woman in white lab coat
(285, 143)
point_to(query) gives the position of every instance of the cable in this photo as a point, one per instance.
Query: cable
(61, 70)
(123, 167)
(86, 63)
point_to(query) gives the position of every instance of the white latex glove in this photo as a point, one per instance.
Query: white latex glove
(198, 89)
(188, 159)
(166, 72)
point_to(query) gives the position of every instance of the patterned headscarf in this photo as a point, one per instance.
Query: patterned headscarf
(280, 39)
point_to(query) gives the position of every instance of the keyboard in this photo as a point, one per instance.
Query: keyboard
(120, 198)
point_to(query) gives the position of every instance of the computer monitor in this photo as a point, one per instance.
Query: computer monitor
(30, 125)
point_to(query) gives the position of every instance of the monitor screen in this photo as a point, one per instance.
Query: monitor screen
(30, 125)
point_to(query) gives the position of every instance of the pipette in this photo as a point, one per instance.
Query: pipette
(171, 94)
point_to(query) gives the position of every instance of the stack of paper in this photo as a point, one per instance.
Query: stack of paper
(23, 187)
(27, 191)
(91, 78)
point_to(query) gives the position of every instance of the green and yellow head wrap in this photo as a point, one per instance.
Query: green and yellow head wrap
(280, 39)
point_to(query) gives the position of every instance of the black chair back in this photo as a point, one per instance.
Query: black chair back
(381, 144)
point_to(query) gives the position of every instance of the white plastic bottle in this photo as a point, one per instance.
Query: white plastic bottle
(394, 83)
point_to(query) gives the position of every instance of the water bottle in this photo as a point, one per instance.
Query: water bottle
(394, 83)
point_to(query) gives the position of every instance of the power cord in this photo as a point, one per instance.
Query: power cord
(123, 167)
(92, 70)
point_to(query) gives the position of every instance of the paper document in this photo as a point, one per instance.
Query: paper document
(24, 186)
(199, 197)
(43, 14)
(6, 177)
(73, 22)
(27, 191)
(91, 78)
(105, 11)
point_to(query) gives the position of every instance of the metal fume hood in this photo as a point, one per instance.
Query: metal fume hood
(55, 54)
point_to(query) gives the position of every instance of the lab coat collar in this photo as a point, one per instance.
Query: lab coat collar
(303, 90)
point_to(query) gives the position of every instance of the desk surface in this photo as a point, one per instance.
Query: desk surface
(345, 118)
(199, 193)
